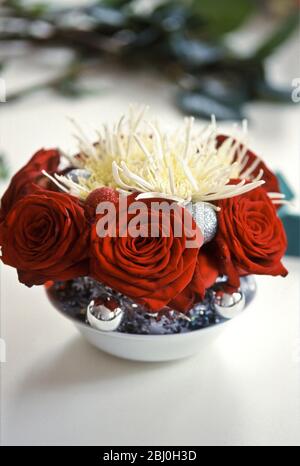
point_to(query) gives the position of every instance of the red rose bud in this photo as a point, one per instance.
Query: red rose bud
(97, 196)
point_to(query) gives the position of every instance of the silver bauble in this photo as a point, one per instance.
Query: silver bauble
(229, 306)
(102, 317)
(205, 217)
(78, 173)
(248, 287)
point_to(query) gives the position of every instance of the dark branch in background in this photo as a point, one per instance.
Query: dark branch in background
(182, 39)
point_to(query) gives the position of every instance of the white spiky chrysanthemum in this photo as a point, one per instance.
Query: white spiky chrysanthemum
(184, 166)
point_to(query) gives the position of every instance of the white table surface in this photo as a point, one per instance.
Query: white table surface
(57, 390)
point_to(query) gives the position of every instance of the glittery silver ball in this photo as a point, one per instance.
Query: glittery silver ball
(102, 317)
(78, 173)
(230, 305)
(205, 217)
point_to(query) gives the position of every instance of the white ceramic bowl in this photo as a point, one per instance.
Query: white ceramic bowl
(149, 348)
(153, 348)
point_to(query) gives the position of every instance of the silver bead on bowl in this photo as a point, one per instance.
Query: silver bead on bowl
(229, 306)
(205, 217)
(104, 315)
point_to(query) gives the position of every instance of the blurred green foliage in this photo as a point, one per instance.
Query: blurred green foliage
(222, 17)
(183, 39)
(3, 168)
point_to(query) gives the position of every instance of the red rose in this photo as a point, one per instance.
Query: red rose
(250, 238)
(45, 236)
(205, 275)
(21, 183)
(271, 182)
(151, 270)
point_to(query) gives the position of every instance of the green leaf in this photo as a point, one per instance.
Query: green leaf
(38, 10)
(223, 16)
(33, 10)
(3, 168)
(281, 34)
(115, 3)
(203, 106)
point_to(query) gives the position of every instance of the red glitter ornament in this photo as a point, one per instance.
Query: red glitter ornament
(97, 196)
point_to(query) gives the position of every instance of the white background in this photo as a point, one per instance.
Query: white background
(57, 390)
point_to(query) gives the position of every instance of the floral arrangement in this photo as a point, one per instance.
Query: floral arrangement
(50, 213)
